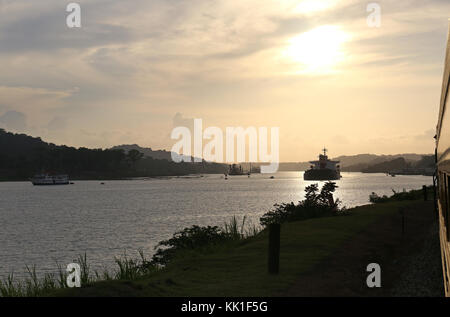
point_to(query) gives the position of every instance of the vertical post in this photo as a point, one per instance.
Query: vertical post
(424, 188)
(274, 248)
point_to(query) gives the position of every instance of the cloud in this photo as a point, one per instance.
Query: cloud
(57, 124)
(111, 62)
(340, 139)
(427, 136)
(137, 63)
(180, 121)
(14, 120)
(42, 27)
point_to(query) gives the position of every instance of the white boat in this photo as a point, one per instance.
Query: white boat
(45, 179)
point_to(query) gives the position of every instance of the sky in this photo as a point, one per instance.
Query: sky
(135, 70)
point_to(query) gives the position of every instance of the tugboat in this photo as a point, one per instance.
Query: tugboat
(323, 169)
(45, 179)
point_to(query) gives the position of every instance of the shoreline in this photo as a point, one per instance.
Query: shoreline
(195, 175)
(251, 254)
(240, 269)
(120, 179)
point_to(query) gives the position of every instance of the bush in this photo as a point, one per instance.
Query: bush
(189, 239)
(314, 205)
(414, 194)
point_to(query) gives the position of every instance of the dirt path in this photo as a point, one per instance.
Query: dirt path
(410, 263)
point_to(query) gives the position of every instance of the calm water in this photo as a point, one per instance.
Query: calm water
(41, 225)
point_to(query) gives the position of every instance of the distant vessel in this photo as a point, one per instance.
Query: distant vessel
(46, 179)
(323, 169)
(255, 169)
(235, 170)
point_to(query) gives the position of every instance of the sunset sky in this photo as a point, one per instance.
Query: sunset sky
(136, 69)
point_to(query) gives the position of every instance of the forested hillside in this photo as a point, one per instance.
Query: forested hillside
(22, 156)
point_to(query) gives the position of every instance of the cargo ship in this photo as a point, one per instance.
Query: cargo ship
(323, 169)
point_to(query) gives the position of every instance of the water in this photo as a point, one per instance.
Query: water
(40, 225)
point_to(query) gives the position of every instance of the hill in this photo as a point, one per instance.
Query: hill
(360, 162)
(385, 167)
(148, 152)
(22, 156)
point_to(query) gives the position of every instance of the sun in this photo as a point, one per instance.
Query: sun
(318, 50)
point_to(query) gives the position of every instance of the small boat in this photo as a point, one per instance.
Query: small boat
(46, 179)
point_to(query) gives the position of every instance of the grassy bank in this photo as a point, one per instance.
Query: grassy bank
(240, 268)
(324, 250)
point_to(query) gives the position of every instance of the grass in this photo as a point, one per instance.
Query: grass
(234, 267)
(239, 267)
(241, 230)
(32, 286)
(127, 268)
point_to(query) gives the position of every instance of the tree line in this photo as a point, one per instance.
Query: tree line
(22, 156)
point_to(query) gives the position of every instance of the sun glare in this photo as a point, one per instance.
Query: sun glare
(318, 50)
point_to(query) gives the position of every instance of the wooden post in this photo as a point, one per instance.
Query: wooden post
(424, 188)
(274, 248)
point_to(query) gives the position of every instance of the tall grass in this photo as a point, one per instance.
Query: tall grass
(131, 269)
(32, 285)
(241, 230)
(127, 268)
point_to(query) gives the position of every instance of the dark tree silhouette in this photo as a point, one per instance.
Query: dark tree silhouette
(22, 156)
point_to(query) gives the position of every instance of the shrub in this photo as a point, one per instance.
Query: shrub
(414, 194)
(314, 205)
(188, 239)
